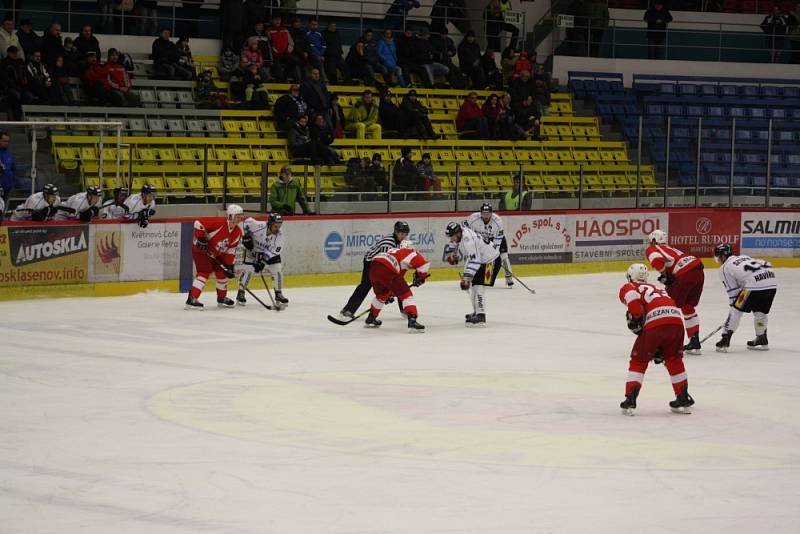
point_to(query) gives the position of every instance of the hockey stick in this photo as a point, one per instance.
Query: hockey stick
(336, 320)
(533, 291)
(278, 306)
(717, 329)
(267, 306)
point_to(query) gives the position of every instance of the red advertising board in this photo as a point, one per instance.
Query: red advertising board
(697, 232)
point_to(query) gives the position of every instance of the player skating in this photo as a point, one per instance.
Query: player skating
(142, 206)
(386, 274)
(489, 226)
(214, 250)
(115, 208)
(682, 275)
(263, 242)
(81, 206)
(482, 265)
(41, 206)
(653, 316)
(400, 232)
(751, 285)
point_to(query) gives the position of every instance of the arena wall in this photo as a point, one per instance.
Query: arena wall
(112, 258)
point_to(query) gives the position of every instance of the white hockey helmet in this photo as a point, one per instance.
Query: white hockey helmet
(659, 236)
(637, 272)
(406, 243)
(233, 210)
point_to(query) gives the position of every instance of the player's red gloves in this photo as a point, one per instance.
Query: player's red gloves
(452, 259)
(465, 283)
(419, 278)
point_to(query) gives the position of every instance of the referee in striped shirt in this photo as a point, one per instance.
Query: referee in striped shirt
(401, 231)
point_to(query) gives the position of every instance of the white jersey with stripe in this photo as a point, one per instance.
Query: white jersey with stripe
(744, 272)
(491, 232)
(265, 244)
(475, 251)
(35, 202)
(112, 210)
(135, 204)
(78, 203)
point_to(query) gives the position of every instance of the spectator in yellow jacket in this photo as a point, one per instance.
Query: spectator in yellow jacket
(362, 120)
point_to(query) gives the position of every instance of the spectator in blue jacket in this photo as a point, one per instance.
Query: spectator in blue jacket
(316, 44)
(8, 167)
(387, 51)
(371, 54)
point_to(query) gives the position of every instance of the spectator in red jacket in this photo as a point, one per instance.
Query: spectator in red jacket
(286, 65)
(93, 78)
(117, 83)
(471, 118)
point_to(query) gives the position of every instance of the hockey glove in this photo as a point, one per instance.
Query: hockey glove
(666, 278)
(259, 265)
(228, 270)
(466, 283)
(452, 259)
(635, 324)
(247, 241)
(44, 214)
(274, 260)
(419, 278)
(202, 242)
(144, 218)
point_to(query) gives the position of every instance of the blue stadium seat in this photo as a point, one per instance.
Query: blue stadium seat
(654, 109)
(758, 180)
(687, 89)
(743, 136)
(791, 92)
(675, 110)
(785, 136)
(617, 87)
(716, 111)
(708, 90)
(666, 88)
(777, 113)
(728, 91)
(770, 91)
(749, 90)
(603, 86)
(695, 110)
(578, 88)
(758, 113)
(737, 112)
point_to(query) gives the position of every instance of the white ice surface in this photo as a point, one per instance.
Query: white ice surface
(130, 415)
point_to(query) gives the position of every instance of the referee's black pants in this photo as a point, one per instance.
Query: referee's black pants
(361, 291)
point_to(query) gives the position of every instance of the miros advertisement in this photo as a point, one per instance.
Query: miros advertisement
(44, 255)
(614, 236)
(771, 234)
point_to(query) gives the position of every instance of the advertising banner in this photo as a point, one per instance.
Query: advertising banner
(538, 238)
(613, 236)
(698, 232)
(151, 253)
(107, 251)
(771, 234)
(44, 255)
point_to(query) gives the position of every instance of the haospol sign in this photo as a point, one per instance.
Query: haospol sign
(614, 236)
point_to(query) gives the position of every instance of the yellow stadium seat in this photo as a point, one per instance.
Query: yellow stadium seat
(176, 186)
(550, 182)
(549, 130)
(223, 154)
(564, 131)
(189, 154)
(242, 154)
(145, 154)
(250, 128)
(67, 157)
(166, 154)
(88, 153)
(195, 184)
(441, 156)
(235, 185)
(231, 126)
(215, 185)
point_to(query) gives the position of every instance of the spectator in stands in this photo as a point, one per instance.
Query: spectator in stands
(93, 78)
(522, 63)
(372, 56)
(358, 64)
(508, 64)
(299, 141)
(491, 110)
(185, 59)
(522, 87)
(794, 33)
(39, 82)
(428, 69)
(8, 165)
(469, 59)
(444, 50)
(337, 119)
(14, 82)
(289, 107)
(285, 64)
(541, 95)
(74, 62)
(527, 116)
(775, 25)
(315, 92)
(495, 23)
(405, 52)
(430, 182)
(285, 193)
(363, 118)
(405, 175)
(264, 45)
(117, 83)
(252, 53)
(301, 46)
(62, 92)
(316, 45)
(494, 80)
(417, 125)
(387, 50)
(334, 56)
(657, 19)
(228, 62)
(28, 39)
(322, 137)
(507, 127)
(358, 176)
(86, 42)
(147, 13)
(166, 58)
(390, 117)
(8, 37)
(236, 79)
(52, 43)
(398, 11)
(470, 118)
(596, 12)
(232, 21)
(378, 172)
(518, 197)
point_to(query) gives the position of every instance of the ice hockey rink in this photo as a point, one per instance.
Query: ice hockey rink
(131, 415)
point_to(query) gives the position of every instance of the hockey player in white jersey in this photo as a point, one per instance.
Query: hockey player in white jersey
(489, 226)
(41, 206)
(115, 208)
(263, 243)
(751, 285)
(81, 206)
(482, 265)
(2, 204)
(142, 206)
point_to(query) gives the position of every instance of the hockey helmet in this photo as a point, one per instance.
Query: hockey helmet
(148, 189)
(274, 218)
(234, 210)
(406, 243)
(452, 229)
(50, 189)
(94, 190)
(722, 252)
(486, 208)
(401, 227)
(637, 272)
(657, 236)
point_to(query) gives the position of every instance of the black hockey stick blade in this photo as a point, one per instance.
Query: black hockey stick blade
(267, 306)
(336, 320)
(717, 329)
(523, 284)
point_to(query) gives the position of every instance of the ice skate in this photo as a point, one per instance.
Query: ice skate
(629, 404)
(280, 298)
(693, 347)
(225, 302)
(509, 281)
(193, 304)
(683, 403)
(476, 320)
(414, 326)
(240, 298)
(759, 343)
(372, 321)
(725, 342)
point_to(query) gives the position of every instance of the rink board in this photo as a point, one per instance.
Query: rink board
(111, 258)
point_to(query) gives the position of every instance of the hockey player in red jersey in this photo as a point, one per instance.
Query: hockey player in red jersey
(682, 275)
(386, 273)
(656, 321)
(214, 250)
